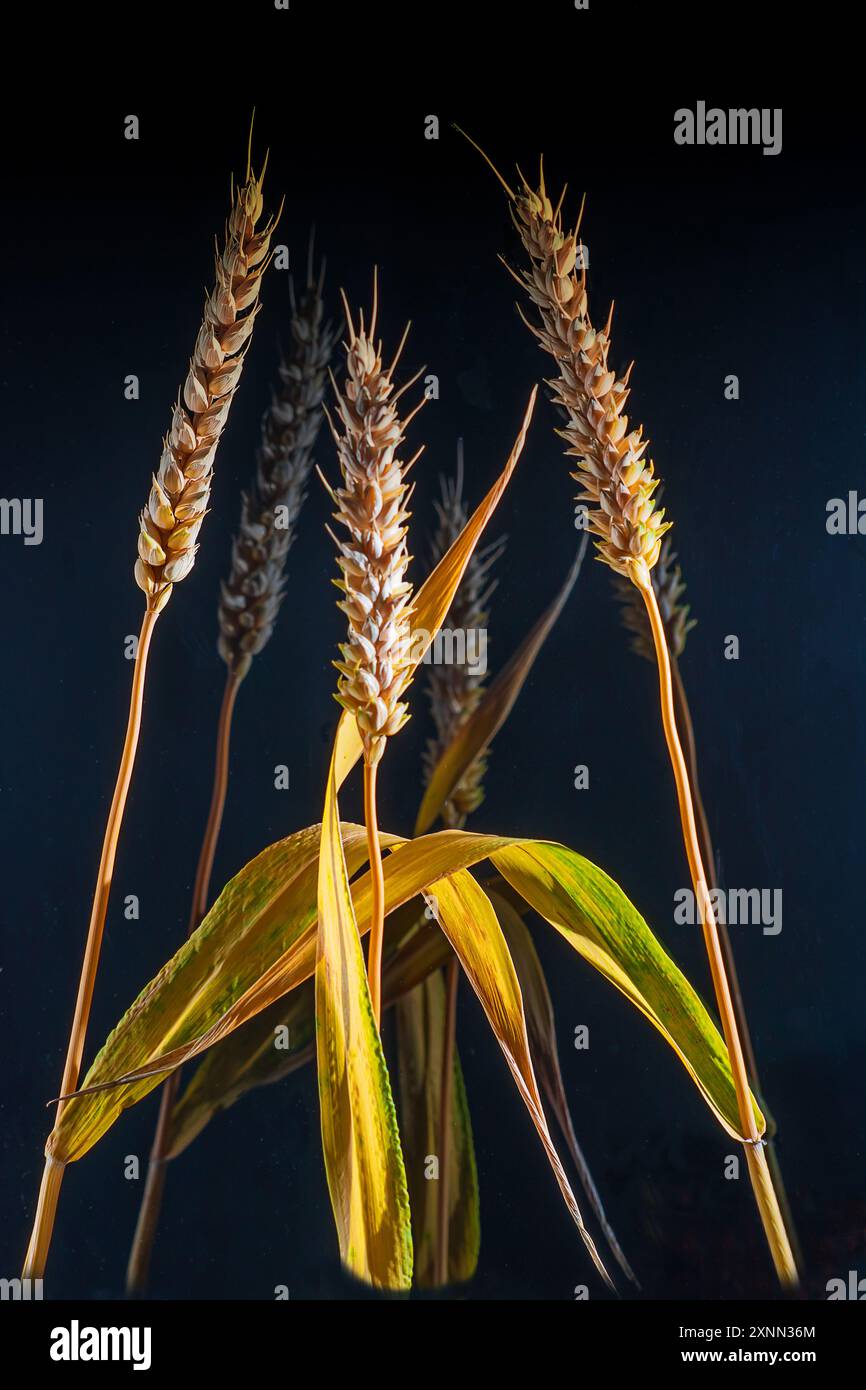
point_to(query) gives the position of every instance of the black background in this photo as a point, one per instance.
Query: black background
(720, 261)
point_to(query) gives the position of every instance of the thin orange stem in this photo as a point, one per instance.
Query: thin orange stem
(52, 1177)
(138, 1268)
(765, 1195)
(684, 722)
(452, 977)
(377, 883)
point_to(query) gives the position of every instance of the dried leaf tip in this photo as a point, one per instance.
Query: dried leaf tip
(372, 506)
(170, 523)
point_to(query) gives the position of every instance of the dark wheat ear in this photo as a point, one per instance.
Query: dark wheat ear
(178, 500)
(454, 688)
(670, 589)
(250, 597)
(372, 507)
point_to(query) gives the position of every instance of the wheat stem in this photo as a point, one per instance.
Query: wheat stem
(765, 1196)
(377, 883)
(138, 1268)
(52, 1177)
(452, 979)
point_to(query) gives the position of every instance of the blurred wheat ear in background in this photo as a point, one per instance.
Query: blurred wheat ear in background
(167, 544)
(249, 602)
(618, 485)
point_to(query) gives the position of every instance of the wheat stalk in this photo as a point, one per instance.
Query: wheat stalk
(250, 597)
(372, 507)
(169, 526)
(454, 689)
(618, 485)
(249, 602)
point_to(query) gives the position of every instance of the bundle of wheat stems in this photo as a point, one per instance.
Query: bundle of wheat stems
(249, 601)
(454, 690)
(372, 507)
(618, 485)
(167, 544)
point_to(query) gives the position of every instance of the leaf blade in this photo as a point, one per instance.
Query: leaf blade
(479, 729)
(360, 1139)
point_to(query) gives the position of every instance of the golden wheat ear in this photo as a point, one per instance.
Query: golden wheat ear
(179, 497)
(372, 510)
(167, 544)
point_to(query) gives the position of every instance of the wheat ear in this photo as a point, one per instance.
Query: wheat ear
(251, 595)
(454, 690)
(169, 526)
(249, 602)
(618, 485)
(372, 506)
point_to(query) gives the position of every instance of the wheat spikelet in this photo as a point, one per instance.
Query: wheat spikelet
(670, 588)
(454, 690)
(251, 596)
(179, 496)
(372, 506)
(618, 483)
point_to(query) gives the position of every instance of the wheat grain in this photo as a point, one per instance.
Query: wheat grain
(251, 596)
(170, 523)
(372, 506)
(455, 689)
(670, 588)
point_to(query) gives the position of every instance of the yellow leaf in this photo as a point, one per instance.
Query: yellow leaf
(468, 920)
(360, 1140)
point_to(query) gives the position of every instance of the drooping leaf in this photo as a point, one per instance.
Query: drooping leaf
(579, 899)
(281, 1039)
(597, 919)
(480, 728)
(360, 1139)
(266, 913)
(421, 1026)
(541, 1029)
(469, 922)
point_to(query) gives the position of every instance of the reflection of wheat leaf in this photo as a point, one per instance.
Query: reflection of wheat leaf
(454, 688)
